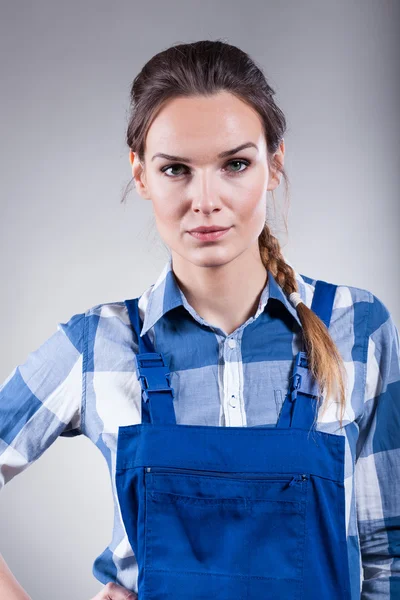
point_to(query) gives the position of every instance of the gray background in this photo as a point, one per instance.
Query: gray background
(67, 243)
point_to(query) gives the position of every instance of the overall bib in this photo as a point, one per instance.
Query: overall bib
(233, 513)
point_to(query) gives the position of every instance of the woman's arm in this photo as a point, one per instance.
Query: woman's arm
(39, 401)
(377, 468)
(9, 586)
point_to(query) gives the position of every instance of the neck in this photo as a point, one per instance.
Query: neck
(225, 296)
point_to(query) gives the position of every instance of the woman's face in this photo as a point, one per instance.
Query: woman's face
(195, 187)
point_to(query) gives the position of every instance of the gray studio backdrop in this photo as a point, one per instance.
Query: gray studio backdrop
(67, 243)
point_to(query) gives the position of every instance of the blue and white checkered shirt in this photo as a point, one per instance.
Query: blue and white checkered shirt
(82, 381)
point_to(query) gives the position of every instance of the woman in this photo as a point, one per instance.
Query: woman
(249, 415)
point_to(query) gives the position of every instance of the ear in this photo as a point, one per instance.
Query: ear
(139, 175)
(278, 159)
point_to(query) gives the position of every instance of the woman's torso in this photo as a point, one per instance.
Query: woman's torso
(236, 380)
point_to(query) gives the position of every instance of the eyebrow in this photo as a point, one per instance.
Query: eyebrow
(221, 155)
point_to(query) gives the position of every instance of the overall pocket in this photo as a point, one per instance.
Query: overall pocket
(243, 525)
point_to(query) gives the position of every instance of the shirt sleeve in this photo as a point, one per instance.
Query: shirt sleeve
(377, 467)
(41, 399)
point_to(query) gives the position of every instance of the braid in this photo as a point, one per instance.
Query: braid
(324, 359)
(272, 258)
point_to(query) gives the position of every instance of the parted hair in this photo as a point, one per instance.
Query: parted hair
(207, 67)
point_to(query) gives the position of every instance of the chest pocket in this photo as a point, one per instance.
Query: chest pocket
(231, 534)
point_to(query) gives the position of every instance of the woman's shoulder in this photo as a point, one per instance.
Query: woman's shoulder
(109, 322)
(362, 309)
(108, 310)
(117, 309)
(345, 294)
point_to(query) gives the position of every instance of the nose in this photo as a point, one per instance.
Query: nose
(205, 196)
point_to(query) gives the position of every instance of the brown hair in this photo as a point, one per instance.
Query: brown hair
(204, 68)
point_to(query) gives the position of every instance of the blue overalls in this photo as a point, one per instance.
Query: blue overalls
(233, 513)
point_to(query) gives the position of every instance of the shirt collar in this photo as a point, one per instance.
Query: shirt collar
(166, 294)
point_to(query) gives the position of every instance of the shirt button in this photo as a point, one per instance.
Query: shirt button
(232, 402)
(231, 343)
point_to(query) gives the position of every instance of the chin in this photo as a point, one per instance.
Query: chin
(212, 258)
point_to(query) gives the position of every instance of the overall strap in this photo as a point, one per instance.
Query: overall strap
(303, 399)
(153, 375)
(322, 302)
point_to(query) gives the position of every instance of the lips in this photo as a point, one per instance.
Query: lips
(209, 236)
(208, 229)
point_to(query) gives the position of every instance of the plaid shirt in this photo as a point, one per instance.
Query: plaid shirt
(82, 381)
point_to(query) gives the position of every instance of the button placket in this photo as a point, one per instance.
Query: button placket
(232, 395)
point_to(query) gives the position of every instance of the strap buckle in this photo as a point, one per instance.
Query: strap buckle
(153, 374)
(303, 380)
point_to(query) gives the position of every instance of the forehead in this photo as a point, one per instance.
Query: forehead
(188, 124)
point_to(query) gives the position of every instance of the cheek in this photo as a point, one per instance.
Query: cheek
(252, 206)
(168, 215)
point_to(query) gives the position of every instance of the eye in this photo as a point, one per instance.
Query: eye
(175, 166)
(178, 165)
(238, 161)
